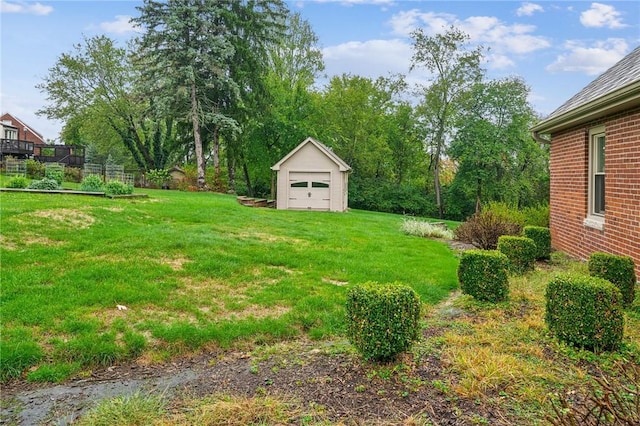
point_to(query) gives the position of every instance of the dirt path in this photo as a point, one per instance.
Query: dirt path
(318, 373)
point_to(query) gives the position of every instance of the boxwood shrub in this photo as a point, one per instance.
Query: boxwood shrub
(521, 252)
(620, 270)
(483, 275)
(585, 311)
(542, 238)
(382, 319)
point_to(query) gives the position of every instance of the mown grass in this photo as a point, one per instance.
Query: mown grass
(499, 356)
(92, 281)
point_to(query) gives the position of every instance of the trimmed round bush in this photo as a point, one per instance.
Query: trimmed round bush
(18, 182)
(585, 311)
(382, 319)
(483, 275)
(542, 238)
(115, 187)
(620, 270)
(521, 252)
(92, 183)
(48, 184)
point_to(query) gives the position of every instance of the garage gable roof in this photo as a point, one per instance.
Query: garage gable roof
(616, 89)
(344, 167)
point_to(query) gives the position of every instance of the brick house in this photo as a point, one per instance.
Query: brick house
(25, 132)
(595, 165)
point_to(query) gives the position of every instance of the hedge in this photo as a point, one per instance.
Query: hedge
(382, 319)
(483, 275)
(542, 238)
(585, 311)
(620, 270)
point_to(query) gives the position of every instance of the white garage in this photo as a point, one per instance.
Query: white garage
(312, 177)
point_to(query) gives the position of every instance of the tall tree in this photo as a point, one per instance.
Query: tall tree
(497, 158)
(294, 61)
(184, 53)
(255, 26)
(92, 89)
(454, 68)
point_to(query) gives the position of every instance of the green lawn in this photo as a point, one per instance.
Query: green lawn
(193, 270)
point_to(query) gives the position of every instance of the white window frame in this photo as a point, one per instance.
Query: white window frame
(595, 219)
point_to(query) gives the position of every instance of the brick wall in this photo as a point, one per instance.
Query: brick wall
(569, 189)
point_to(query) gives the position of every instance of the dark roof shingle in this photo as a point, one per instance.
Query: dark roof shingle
(625, 72)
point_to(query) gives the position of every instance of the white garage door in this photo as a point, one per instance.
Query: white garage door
(310, 190)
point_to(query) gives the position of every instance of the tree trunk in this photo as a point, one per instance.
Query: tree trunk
(247, 179)
(216, 158)
(197, 138)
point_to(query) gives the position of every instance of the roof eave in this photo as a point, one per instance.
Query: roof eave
(624, 98)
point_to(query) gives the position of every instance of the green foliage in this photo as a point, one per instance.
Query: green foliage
(483, 275)
(542, 238)
(382, 319)
(45, 183)
(483, 229)
(115, 187)
(585, 311)
(53, 372)
(620, 270)
(382, 195)
(35, 169)
(537, 215)
(19, 182)
(92, 183)
(521, 252)
(158, 176)
(73, 174)
(136, 409)
(54, 172)
(421, 228)
(18, 351)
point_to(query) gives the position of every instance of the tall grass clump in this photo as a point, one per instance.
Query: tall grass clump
(135, 409)
(18, 352)
(426, 229)
(382, 319)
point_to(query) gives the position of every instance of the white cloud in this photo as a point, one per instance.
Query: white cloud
(121, 25)
(528, 9)
(373, 58)
(602, 15)
(505, 40)
(590, 60)
(25, 7)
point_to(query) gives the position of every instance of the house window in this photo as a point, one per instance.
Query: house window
(597, 190)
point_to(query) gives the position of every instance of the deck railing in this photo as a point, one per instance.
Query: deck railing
(16, 147)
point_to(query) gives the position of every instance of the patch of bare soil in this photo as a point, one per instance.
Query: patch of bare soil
(319, 374)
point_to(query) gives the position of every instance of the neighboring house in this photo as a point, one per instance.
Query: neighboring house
(21, 141)
(312, 177)
(595, 165)
(25, 132)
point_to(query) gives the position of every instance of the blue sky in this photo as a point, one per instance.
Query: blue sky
(557, 47)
